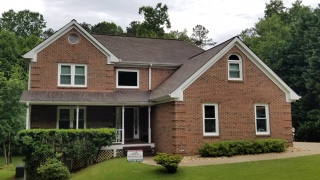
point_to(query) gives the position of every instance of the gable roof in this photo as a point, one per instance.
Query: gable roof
(148, 50)
(173, 87)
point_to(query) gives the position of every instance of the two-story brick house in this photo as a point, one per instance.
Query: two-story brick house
(167, 94)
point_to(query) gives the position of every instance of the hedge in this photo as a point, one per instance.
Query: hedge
(37, 145)
(240, 147)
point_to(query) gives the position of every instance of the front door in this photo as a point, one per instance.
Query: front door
(131, 122)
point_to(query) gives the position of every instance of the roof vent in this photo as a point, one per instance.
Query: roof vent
(73, 38)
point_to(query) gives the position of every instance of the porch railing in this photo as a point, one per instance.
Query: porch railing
(119, 136)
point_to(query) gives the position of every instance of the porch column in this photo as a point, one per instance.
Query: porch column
(149, 124)
(28, 117)
(77, 118)
(122, 139)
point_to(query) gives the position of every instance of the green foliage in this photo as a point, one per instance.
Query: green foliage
(231, 148)
(155, 19)
(53, 169)
(106, 28)
(23, 23)
(200, 38)
(178, 35)
(170, 162)
(74, 145)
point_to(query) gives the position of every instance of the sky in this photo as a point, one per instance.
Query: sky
(223, 18)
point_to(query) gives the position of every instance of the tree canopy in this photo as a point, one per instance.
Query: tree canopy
(200, 36)
(105, 28)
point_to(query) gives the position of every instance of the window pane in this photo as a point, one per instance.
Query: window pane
(127, 78)
(261, 125)
(81, 124)
(64, 124)
(210, 125)
(234, 74)
(65, 70)
(64, 114)
(81, 114)
(79, 70)
(234, 66)
(79, 80)
(261, 111)
(234, 57)
(65, 79)
(209, 112)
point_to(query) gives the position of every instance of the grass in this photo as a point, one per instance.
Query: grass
(8, 172)
(306, 167)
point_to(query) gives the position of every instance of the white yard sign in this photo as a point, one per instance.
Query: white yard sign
(134, 155)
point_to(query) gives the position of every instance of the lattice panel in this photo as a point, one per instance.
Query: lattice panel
(104, 154)
(120, 153)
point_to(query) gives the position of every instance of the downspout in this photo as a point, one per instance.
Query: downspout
(149, 124)
(150, 76)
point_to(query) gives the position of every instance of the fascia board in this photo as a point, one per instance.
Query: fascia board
(32, 54)
(87, 103)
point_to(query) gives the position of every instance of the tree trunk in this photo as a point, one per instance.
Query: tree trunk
(9, 151)
(5, 153)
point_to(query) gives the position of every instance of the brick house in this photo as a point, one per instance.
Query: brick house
(166, 94)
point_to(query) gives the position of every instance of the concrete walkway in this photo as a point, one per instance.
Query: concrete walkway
(299, 149)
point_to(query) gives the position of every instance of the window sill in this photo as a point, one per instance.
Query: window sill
(211, 136)
(71, 87)
(263, 135)
(236, 80)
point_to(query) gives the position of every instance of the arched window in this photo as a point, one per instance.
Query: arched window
(234, 67)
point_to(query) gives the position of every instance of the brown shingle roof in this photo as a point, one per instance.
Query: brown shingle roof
(190, 67)
(85, 97)
(150, 50)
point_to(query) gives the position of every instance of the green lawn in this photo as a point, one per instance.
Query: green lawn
(7, 172)
(293, 168)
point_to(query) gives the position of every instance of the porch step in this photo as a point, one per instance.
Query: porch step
(147, 150)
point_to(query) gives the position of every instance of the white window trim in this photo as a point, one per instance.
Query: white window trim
(128, 70)
(74, 109)
(217, 119)
(267, 132)
(72, 74)
(240, 67)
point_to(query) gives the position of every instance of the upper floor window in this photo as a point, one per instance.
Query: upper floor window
(262, 119)
(74, 75)
(127, 78)
(234, 67)
(210, 120)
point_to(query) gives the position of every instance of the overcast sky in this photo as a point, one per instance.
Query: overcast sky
(223, 18)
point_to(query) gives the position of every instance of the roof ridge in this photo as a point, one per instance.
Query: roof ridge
(140, 37)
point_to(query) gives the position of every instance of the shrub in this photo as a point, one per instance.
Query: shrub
(53, 169)
(231, 148)
(170, 162)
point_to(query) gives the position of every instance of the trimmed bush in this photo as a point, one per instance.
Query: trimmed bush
(73, 144)
(170, 162)
(53, 169)
(231, 148)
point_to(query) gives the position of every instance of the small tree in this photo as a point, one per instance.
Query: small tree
(200, 36)
(53, 169)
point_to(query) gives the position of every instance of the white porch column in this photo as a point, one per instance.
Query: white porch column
(28, 117)
(77, 118)
(122, 139)
(149, 124)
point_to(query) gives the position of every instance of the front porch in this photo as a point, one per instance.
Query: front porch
(132, 123)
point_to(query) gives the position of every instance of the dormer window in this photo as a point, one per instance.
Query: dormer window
(127, 78)
(234, 67)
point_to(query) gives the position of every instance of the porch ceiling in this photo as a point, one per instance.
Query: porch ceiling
(69, 97)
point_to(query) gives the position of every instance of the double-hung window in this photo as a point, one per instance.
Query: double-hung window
(74, 75)
(234, 67)
(262, 119)
(127, 78)
(67, 117)
(210, 120)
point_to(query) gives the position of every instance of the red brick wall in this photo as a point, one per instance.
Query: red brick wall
(159, 75)
(236, 102)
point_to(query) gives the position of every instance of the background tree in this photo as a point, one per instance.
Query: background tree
(183, 35)
(133, 28)
(12, 113)
(155, 19)
(200, 36)
(23, 24)
(86, 26)
(106, 28)
(47, 33)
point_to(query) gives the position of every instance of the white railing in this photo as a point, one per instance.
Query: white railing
(119, 136)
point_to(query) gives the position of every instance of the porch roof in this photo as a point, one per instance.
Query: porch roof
(81, 97)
